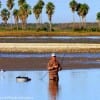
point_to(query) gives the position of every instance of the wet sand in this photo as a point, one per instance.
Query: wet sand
(41, 63)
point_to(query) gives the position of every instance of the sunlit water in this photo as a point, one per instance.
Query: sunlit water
(73, 85)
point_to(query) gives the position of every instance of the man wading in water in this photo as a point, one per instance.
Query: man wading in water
(53, 68)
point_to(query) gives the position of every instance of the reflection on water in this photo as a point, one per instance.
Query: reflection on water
(53, 89)
(73, 85)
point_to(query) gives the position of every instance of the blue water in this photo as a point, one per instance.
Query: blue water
(54, 37)
(51, 39)
(73, 85)
(42, 55)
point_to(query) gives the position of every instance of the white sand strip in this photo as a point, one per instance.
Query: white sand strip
(49, 47)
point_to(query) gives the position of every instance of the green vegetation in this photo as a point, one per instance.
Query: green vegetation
(98, 19)
(82, 11)
(16, 17)
(43, 33)
(5, 14)
(10, 4)
(58, 30)
(37, 10)
(50, 10)
(24, 10)
(73, 5)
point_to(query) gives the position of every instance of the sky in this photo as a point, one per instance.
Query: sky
(63, 13)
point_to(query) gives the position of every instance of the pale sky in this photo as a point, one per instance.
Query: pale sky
(63, 13)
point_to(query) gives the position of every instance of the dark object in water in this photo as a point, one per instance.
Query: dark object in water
(2, 70)
(22, 79)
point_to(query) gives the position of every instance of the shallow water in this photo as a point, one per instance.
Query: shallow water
(47, 55)
(73, 85)
(38, 61)
(54, 39)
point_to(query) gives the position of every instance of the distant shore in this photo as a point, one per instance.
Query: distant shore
(21, 33)
(49, 47)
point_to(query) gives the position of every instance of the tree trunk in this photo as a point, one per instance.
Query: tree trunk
(99, 24)
(11, 18)
(25, 23)
(41, 18)
(37, 24)
(73, 20)
(22, 24)
(80, 25)
(16, 22)
(17, 26)
(5, 22)
(84, 22)
(50, 26)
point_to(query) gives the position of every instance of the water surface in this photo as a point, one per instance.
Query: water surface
(51, 39)
(73, 85)
(38, 61)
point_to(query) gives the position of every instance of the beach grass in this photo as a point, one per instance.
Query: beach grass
(21, 33)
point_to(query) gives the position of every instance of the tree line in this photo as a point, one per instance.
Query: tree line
(24, 10)
(82, 10)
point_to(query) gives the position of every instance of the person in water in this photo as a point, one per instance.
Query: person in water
(53, 67)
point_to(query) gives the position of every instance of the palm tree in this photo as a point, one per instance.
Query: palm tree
(10, 4)
(98, 18)
(83, 11)
(78, 12)
(21, 2)
(73, 6)
(50, 7)
(37, 10)
(24, 12)
(16, 16)
(41, 5)
(5, 14)
(0, 4)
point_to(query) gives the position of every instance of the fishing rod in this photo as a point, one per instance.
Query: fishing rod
(47, 71)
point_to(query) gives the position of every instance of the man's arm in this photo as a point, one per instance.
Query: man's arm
(50, 66)
(60, 68)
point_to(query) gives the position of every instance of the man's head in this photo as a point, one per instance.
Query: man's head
(53, 55)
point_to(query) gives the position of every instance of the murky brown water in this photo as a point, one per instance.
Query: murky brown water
(37, 61)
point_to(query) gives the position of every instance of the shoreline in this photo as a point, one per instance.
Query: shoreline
(49, 47)
(26, 33)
